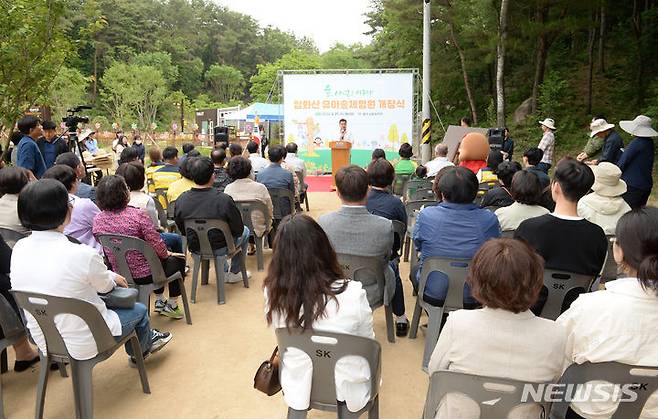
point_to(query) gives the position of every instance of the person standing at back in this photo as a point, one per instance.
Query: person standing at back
(28, 155)
(547, 144)
(187, 147)
(636, 163)
(50, 144)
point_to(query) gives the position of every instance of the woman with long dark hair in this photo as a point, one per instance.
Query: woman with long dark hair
(305, 288)
(619, 323)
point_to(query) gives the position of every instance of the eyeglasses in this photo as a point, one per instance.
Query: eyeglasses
(71, 201)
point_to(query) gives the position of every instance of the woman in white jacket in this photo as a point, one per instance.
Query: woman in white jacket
(304, 288)
(605, 205)
(619, 323)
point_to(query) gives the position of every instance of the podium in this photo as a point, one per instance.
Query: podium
(340, 157)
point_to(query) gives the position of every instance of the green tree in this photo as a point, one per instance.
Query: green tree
(262, 83)
(343, 56)
(225, 82)
(33, 46)
(68, 89)
(161, 61)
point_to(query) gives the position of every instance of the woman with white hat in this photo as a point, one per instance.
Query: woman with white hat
(547, 144)
(605, 206)
(636, 163)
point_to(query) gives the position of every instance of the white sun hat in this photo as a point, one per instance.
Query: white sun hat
(548, 123)
(640, 127)
(607, 180)
(84, 134)
(599, 125)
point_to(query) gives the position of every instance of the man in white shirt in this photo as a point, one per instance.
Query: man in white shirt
(257, 162)
(47, 263)
(343, 133)
(439, 162)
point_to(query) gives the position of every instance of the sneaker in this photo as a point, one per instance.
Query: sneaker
(171, 312)
(231, 278)
(401, 328)
(251, 249)
(160, 305)
(159, 340)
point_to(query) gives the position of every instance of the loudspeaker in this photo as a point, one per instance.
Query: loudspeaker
(220, 134)
(496, 137)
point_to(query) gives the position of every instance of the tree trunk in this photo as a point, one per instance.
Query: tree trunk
(541, 53)
(467, 84)
(602, 40)
(590, 63)
(638, 8)
(500, 64)
(95, 85)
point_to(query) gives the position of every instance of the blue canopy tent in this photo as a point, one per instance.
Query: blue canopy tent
(271, 112)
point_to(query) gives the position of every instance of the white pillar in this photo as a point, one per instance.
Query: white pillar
(426, 125)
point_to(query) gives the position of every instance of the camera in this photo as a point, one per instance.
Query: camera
(72, 120)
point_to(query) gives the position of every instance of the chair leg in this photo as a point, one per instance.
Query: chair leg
(259, 253)
(373, 413)
(306, 200)
(344, 413)
(296, 414)
(195, 276)
(205, 271)
(415, 320)
(4, 367)
(186, 304)
(219, 274)
(81, 374)
(44, 368)
(390, 323)
(407, 241)
(141, 368)
(2, 402)
(433, 330)
(243, 262)
(61, 366)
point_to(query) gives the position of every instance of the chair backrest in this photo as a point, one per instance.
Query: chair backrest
(247, 208)
(171, 210)
(416, 205)
(44, 309)
(456, 271)
(643, 381)
(496, 397)
(162, 214)
(10, 323)
(120, 245)
(161, 193)
(609, 272)
(399, 230)
(422, 194)
(10, 236)
(325, 349)
(283, 202)
(414, 184)
(559, 284)
(202, 227)
(400, 184)
(369, 270)
(509, 234)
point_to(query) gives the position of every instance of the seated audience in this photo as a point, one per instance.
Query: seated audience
(636, 162)
(257, 162)
(187, 147)
(440, 160)
(205, 201)
(47, 263)
(275, 176)
(134, 175)
(382, 203)
(619, 323)
(405, 166)
(605, 205)
(12, 181)
(455, 228)
(295, 179)
(73, 161)
(183, 184)
(531, 159)
(117, 217)
(82, 217)
(500, 196)
(235, 149)
(243, 188)
(489, 173)
(129, 154)
(526, 195)
(297, 165)
(222, 178)
(378, 153)
(488, 341)
(567, 242)
(169, 172)
(155, 155)
(323, 300)
(26, 355)
(420, 173)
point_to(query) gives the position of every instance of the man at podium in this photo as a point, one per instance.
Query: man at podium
(343, 133)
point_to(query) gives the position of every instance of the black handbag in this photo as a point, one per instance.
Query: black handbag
(120, 297)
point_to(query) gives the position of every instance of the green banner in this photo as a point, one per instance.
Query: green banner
(320, 160)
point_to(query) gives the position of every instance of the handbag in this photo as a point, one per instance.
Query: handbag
(120, 297)
(267, 376)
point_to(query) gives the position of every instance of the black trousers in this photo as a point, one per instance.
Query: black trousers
(636, 198)
(171, 265)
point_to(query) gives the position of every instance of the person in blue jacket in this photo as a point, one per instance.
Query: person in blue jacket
(29, 156)
(636, 163)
